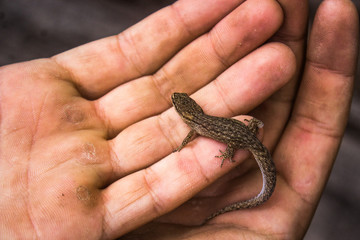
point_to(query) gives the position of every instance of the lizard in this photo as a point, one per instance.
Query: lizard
(236, 135)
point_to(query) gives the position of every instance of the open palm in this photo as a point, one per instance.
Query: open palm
(87, 135)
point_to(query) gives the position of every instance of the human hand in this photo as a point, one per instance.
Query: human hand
(86, 137)
(304, 124)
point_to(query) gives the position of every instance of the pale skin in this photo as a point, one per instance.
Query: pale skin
(87, 136)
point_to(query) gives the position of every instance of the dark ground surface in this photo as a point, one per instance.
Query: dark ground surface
(42, 28)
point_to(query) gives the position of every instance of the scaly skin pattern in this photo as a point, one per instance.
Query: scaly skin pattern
(236, 135)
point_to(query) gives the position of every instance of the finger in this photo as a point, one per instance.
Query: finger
(294, 28)
(195, 65)
(311, 141)
(160, 188)
(255, 78)
(150, 140)
(100, 66)
(292, 33)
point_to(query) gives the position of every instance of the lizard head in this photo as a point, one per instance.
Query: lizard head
(185, 106)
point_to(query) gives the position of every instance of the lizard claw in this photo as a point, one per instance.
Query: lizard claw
(224, 155)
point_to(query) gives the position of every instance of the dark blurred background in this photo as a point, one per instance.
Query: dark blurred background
(42, 28)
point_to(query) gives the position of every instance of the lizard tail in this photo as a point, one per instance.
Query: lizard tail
(268, 171)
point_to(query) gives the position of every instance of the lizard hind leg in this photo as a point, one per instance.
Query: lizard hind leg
(254, 125)
(229, 153)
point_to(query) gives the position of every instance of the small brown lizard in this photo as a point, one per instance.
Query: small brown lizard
(237, 136)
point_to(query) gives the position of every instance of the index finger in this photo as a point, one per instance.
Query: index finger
(99, 66)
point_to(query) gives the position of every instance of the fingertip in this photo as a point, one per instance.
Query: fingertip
(334, 37)
(344, 8)
(285, 58)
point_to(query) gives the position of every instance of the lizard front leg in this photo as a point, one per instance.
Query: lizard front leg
(191, 135)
